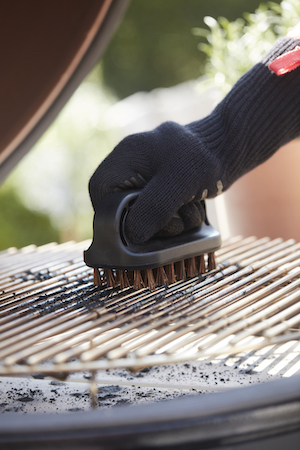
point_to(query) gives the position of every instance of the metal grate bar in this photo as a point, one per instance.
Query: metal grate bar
(53, 318)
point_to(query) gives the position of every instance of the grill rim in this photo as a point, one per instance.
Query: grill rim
(239, 409)
(217, 420)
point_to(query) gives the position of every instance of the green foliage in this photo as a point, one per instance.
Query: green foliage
(234, 47)
(19, 226)
(154, 47)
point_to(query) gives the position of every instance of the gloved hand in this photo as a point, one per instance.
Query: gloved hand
(178, 165)
(168, 164)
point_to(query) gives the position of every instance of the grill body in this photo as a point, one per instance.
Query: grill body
(53, 320)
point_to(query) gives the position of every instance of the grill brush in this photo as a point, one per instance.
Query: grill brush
(158, 262)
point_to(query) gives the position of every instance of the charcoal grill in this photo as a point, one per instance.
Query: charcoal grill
(53, 320)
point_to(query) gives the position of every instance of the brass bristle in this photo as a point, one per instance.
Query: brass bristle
(138, 280)
(116, 277)
(129, 276)
(121, 279)
(164, 275)
(211, 261)
(191, 267)
(161, 277)
(126, 280)
(180, 271)
(110, 279)
(201, 262)
(97, 277)
(170, 271)
(149, 279)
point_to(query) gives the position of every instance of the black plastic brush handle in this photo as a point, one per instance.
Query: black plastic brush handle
(111, 249)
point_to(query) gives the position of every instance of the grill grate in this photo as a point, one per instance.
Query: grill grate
(53, 319)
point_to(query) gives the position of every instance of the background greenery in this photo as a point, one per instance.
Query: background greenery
(19, 226)
(233, 47)
(155, 47)
(158, 44)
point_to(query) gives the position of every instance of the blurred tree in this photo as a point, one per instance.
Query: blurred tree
(19, 226)
(154, 46)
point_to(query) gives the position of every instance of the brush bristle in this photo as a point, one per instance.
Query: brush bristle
(151, 278)
(191, 267)
(170, 272)
(161, 277)
(180, 270)
(110, 279)
(201, 264)
(122, 279)
(97, 277)
(138, 282)
(211, 261)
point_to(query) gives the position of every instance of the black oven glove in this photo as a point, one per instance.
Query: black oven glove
(179, 165)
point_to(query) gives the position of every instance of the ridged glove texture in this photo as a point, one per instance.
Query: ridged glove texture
(177, 166)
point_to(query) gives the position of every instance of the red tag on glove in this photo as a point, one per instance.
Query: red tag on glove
(287, 62)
